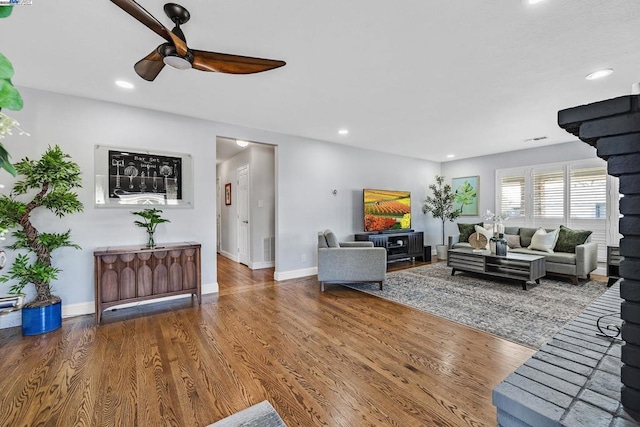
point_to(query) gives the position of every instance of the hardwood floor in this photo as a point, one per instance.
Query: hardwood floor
(338, 358)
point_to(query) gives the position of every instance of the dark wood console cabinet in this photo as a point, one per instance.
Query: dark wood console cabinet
(130, 273)
(399, 245)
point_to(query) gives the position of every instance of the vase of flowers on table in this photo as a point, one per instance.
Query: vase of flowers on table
(497, 240)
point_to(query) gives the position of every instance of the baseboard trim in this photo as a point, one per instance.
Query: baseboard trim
(210, 288)
(78, 309)
(262, 264)
(232, 257)
(89, 307)
(11, 320)
(295, 274)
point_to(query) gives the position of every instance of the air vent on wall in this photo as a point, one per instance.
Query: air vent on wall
(536, 139)
(269, 248)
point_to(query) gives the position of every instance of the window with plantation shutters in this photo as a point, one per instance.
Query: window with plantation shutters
(512, 194)
(548, 194)
(588, 203)
(573, 194)
(588, 193)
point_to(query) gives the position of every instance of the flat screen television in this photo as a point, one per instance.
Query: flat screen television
(386, 210)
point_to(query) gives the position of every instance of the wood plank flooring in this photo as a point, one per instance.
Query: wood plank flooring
(338, 358)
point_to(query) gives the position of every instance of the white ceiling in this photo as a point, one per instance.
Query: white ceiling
(421, 78)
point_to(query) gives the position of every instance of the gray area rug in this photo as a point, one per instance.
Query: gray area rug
(499, 307)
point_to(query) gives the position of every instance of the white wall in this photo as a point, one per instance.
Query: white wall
(261, 161)
(306, 172)
(307, 175)
(227, 173)
(77, 125)
(262, 203)
(486, 166)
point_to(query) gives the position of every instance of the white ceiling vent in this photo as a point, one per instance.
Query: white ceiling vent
(536, 139)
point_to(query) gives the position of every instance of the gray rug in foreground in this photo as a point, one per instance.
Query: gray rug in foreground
(493, 305)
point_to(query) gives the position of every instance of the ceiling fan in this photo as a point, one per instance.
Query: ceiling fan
(176, 53)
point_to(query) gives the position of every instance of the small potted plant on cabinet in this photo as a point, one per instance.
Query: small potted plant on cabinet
(440, 205)
(47, 184)
(151, 218)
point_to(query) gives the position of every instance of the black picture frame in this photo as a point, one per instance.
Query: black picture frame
(227, 194)
(127, 176)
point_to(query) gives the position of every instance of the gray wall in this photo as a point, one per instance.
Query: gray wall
(486, 166)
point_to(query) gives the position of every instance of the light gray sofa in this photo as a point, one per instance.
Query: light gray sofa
(349, 262)
(576, 265)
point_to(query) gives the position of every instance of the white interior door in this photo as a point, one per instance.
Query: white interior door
(243, 214)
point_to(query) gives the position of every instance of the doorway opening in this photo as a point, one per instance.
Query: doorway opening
(245, 208)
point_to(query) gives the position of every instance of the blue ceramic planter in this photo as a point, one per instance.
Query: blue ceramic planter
(39, 320)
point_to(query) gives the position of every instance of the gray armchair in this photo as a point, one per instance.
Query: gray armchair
(349, 262)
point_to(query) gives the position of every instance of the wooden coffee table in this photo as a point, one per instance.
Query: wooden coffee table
(524, 267)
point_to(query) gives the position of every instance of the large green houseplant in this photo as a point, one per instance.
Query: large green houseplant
(10, 99)
(440, 205)
(44, 184)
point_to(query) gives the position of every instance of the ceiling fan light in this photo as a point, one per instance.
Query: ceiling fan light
(177, 62)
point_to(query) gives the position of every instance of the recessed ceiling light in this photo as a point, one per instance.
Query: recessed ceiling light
(241, 143)
(534, 1)
(343, 131)
(599, 74)
(123, 84)
(450, 156)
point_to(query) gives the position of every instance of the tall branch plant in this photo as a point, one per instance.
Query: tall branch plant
(440, 204)
(45, 184)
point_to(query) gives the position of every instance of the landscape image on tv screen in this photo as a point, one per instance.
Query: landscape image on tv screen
(386, 210)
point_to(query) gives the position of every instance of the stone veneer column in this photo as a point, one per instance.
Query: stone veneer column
(613, 127)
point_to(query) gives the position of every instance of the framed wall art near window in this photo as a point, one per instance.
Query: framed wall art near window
(466, 191)
(227, 194)
(126, 176)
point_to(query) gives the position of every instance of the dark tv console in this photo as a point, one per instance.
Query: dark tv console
(392, 231)
(399, 244)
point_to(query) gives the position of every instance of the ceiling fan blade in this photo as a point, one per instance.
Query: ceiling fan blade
(181, 46)
(232, 64)
(150, 66)
(140, 13)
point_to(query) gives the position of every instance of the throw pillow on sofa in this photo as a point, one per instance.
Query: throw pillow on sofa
(466, 230)
(568, 239)
(513, 241)
(543, 241)
(486, 233)
(526, 233)
(332, 240)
